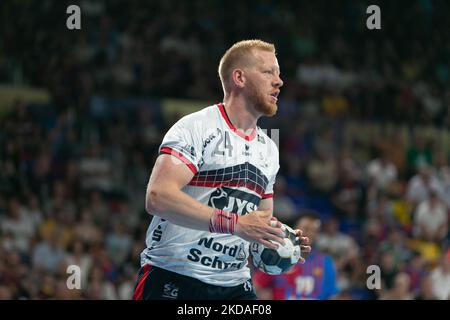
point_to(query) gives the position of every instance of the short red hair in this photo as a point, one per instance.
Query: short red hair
(240, 54)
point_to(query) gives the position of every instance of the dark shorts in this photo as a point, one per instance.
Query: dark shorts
(154, 283)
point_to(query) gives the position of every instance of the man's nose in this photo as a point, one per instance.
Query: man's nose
(278, 82)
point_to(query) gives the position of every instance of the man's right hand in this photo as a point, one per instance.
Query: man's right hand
(259, 226)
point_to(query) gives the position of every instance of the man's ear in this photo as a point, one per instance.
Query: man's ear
(238, 78)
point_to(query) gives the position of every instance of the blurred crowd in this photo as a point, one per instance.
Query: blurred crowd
(72, 193)
(328, 57)
(367, 146)
(383, 198)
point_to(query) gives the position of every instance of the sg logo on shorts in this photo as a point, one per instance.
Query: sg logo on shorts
(170, 291)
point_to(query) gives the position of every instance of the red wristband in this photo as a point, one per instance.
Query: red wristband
(222, 221)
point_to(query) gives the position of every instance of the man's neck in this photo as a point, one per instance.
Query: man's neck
(239, 114)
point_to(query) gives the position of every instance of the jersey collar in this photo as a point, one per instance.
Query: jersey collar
(224, 114)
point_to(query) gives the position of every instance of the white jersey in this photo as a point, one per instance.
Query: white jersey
(233, 172)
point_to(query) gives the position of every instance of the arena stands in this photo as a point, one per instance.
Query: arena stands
(368, 144)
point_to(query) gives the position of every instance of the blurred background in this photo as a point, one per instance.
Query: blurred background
(364, 120)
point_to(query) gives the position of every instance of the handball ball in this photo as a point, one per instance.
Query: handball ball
(280, 260)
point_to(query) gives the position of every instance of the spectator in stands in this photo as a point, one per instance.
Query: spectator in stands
(86, 230)
(349, 193)
(440, 278)
(284, 207)
(96, 170)
(442, 172)
(340, 246)
(322, 172)
(19, 225)
(426, 290)
(77, 255)
(418, 274)
(396, 244)
(118, 243)
(382, 171)
(389, 270)
(431, 219)
(49, 254)
(400, 289)
(421, 184)
(419, 155)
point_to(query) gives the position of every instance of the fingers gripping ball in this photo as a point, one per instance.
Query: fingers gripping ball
(277, 261)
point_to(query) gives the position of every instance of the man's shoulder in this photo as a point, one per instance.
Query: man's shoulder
(198, 122)
(206, 115)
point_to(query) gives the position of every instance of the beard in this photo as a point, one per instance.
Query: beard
(260, 101)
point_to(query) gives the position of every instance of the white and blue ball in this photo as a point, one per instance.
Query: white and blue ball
(277, 261)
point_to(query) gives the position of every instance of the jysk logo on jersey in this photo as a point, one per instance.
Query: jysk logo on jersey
(233, 200)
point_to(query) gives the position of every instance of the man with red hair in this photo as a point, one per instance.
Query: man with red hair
(211, 188)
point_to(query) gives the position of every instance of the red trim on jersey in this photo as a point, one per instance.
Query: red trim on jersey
(267, 195)
(180, 156)
(139, 292)
(232, 127)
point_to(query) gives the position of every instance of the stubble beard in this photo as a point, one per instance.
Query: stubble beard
(260, 103)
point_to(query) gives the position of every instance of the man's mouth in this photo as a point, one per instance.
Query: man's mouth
(275, 95)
